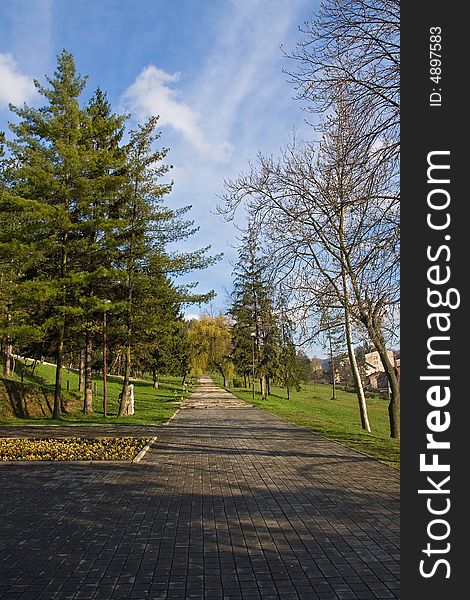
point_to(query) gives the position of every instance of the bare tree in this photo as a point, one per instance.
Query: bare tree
(328, 211)
(353, 43)
(328, 215)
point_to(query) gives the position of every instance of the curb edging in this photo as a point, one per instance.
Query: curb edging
(144, 450)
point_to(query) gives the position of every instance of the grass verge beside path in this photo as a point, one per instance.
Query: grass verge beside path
(151, 406)
(337, 420)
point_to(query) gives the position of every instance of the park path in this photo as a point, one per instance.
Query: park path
(230, 503)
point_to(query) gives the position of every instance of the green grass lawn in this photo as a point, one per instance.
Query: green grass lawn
(151, 406)
(338, 419)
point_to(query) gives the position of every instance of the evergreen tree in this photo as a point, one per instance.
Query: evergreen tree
(84, 231)
(253, 313)
(150, 227)
(242, 315)
(43, 172)
(99, 220)
(160, 346)
(290, 368)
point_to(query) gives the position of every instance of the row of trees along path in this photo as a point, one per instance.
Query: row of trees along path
(84, 232)
(325, 215)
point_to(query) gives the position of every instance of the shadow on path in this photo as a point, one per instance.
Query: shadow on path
(228, 504)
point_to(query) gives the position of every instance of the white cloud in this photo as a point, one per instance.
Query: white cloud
(225, 109)
(241, 85)
(151, 94)
(233, 103)
(15, 87)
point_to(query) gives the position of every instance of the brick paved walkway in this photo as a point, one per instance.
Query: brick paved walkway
(228, 504)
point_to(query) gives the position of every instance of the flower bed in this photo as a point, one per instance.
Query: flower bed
(73, 449)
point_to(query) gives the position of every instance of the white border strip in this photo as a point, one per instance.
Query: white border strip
(144, 450)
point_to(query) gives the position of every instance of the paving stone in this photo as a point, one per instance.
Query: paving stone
(231, 502)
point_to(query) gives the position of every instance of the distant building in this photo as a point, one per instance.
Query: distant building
(375, 370)
(374, 362)
(378, 381)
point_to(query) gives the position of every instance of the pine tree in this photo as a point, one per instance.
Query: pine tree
(149, 227)
(252, 311)
(289, 370)
(242, 315)
(101, 187)
(84, 231)
(45, 164)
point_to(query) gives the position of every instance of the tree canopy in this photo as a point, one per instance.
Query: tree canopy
(85, 231)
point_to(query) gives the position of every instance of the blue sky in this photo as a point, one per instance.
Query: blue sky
(212, 70)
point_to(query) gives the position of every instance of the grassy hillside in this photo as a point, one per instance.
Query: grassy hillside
(29, 400)
(338, 419)
(151, 406)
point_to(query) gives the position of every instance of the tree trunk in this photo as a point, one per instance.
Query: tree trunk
(372, 324)
(332, 365)
(8, 354)
(88, 399)
(347, 325)
(155, 379)
(288, 392)
(356, 375)
(124, 399)
(394, 405)
(333, 383)
(81, 365)
(8, 351)
(60, 340)
(58, 373)
(113, 368)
